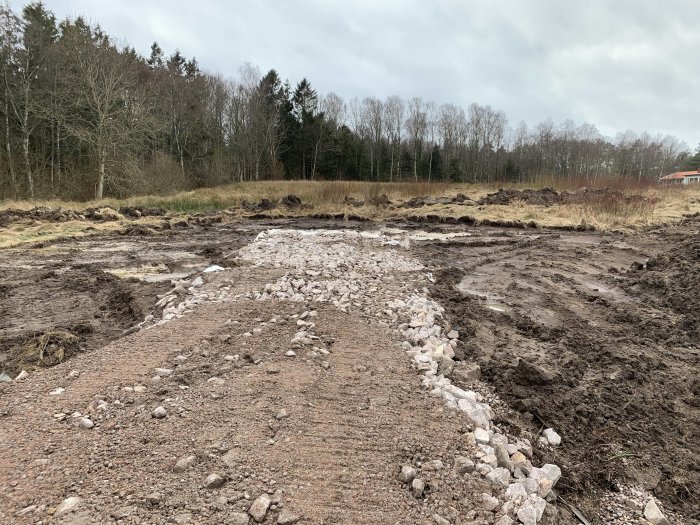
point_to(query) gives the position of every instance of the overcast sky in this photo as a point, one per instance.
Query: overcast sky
(619, 64)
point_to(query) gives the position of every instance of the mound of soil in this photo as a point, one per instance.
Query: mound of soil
(103, 214)
(381, 201)
(419, 202)
(142, 211)
(139, 229)
(352, 201)
(291, 201)
(542, 197)
(204, 219)
(256, 207)
(39, 213)
(551, 197)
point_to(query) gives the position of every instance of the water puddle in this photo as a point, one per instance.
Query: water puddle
(469, 285)
(153, 273)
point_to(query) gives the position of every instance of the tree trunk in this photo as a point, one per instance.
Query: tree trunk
(53, 135)
(25, 143)
(391, 170)
(101, 174)
(27, 165)
(58, 151)
(8, 145)
(430, 166)
(415, 164)
(398, 163)
(313, 169)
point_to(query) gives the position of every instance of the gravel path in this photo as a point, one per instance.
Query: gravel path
(334, 453)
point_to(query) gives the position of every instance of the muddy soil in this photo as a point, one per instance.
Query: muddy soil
(551, 197)
(576, 332)
(594, 334)
(70, 296)
(48, 314)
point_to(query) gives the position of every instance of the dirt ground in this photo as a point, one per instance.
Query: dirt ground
(73, 295)
(576, 332)
(334, 454)
(594, 334)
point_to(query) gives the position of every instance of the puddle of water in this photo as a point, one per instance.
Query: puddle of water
(491, 301)
(152, 274)
(496, 308)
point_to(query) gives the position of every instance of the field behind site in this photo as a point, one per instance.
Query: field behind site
(623, 202)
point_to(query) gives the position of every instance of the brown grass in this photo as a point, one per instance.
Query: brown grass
(652, 204)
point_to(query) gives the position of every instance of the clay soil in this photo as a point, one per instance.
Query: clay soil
(594, 334)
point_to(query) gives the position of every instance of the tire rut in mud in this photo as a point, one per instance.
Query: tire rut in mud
(615, 372)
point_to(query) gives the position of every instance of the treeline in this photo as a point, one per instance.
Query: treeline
(83, 117)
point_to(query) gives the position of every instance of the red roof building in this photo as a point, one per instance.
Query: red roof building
(681, 177)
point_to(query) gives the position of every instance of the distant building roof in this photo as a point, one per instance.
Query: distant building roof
(680, 175)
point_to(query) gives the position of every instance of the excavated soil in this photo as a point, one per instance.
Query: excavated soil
(578, 333)
(550, 197)
(48, 314)
(58, 299)
(594, 334)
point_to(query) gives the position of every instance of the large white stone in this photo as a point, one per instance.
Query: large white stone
(67, 506)
(499, 476)
(654, 514)
(552, 437)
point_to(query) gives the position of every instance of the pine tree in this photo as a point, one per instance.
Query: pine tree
(155, 61)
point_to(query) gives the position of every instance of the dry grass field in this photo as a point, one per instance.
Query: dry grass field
(619, 204)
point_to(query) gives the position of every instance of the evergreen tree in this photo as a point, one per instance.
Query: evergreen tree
(155, 61)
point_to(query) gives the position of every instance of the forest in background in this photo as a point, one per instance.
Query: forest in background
(84, 117)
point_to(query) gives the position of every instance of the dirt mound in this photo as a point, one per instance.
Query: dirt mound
(204, 219)
(437, 219)
(381, 200)
(604, 197)
(142, 211)
(139, 229)
(352, 201)
(419, 202)
(256, 207)
(103, 214)
(542, 197)
(671, 281)
(291, 201)
(39, 213)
